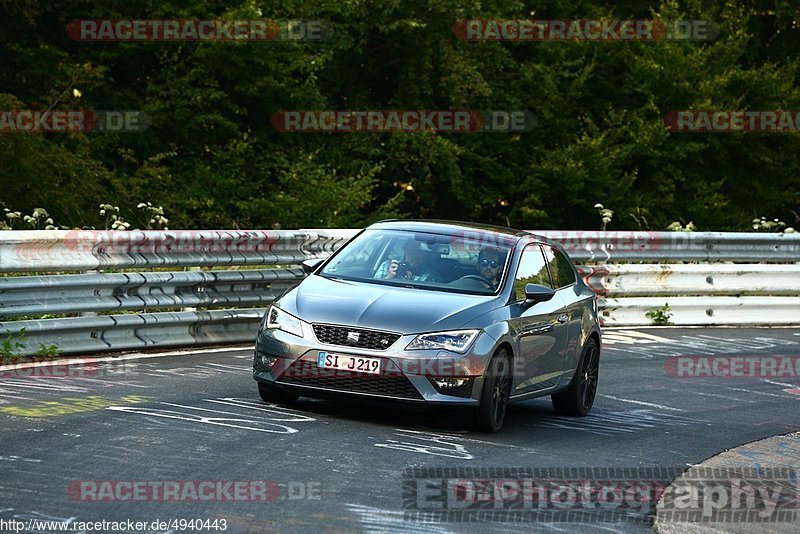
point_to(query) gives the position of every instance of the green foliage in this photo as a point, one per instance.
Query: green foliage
(210, 158)
(660, 316)
(11, 346)
(48, 351)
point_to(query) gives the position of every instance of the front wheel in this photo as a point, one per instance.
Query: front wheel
(274, 395)
(489, 415)
(578, 399)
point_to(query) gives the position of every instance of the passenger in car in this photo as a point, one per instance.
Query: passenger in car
(416, 266)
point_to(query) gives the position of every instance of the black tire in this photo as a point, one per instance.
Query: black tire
(489, 415)
(271, 394)
(579, 398)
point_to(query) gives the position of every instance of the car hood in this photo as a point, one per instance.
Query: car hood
(396, 309)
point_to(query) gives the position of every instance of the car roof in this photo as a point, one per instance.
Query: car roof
(446, 226)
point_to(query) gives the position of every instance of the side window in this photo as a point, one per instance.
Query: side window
(560, 268)
(358, 256)
(532, 270)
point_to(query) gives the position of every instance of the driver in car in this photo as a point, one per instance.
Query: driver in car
(415, 266)
(489, 265)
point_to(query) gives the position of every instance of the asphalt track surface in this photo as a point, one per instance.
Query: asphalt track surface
(342, 467)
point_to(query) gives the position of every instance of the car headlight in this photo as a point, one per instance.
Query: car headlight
(277, 318)
(455, 340)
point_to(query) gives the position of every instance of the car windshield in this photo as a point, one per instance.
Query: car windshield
(470, 262)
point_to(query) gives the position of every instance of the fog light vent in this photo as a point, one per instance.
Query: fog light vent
(263, 362)
(458, 387)
(447, 383)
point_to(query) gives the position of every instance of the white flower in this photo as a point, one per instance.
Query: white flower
(598, 206)
(76, 93)
(141, 205)
(789, 230)
(102, 212)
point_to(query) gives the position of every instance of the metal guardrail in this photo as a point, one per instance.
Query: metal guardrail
(749, 291)
(703, 311)
(701, 294)
(88, 250)
(713, 279)
(109, 333)
(677, 246)
(59, 294)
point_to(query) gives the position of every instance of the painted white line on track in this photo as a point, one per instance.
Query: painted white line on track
(774, 383)
(230, 367)
(758, 392)
(652, 405)
(126, 357)
(718, 396)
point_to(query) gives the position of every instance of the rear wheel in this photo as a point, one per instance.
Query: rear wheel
(272, 394)
(489, 415)
(578, 399)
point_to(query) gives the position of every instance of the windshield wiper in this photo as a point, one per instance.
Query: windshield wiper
(334, 278)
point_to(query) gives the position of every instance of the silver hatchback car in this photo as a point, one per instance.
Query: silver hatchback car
(435, 313)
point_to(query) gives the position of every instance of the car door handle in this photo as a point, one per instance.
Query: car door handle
(538, 328)
(563, 318)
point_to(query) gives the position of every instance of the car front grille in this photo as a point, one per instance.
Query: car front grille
(346, 336)
(391, 384)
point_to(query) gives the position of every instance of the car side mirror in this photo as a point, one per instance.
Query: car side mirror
(535, 293)
(309, 266)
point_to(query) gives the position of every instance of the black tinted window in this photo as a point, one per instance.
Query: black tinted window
(560, 268)
(532, 270)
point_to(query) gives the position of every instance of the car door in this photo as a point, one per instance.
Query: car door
(563, 278)
(540, 329)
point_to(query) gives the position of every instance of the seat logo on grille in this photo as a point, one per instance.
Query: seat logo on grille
(352, 337)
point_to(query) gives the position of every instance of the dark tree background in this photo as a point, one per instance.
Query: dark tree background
(212, 160)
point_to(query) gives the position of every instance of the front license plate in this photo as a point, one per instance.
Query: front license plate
(357, 364)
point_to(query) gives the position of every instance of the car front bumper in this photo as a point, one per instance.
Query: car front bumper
(289, 363)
